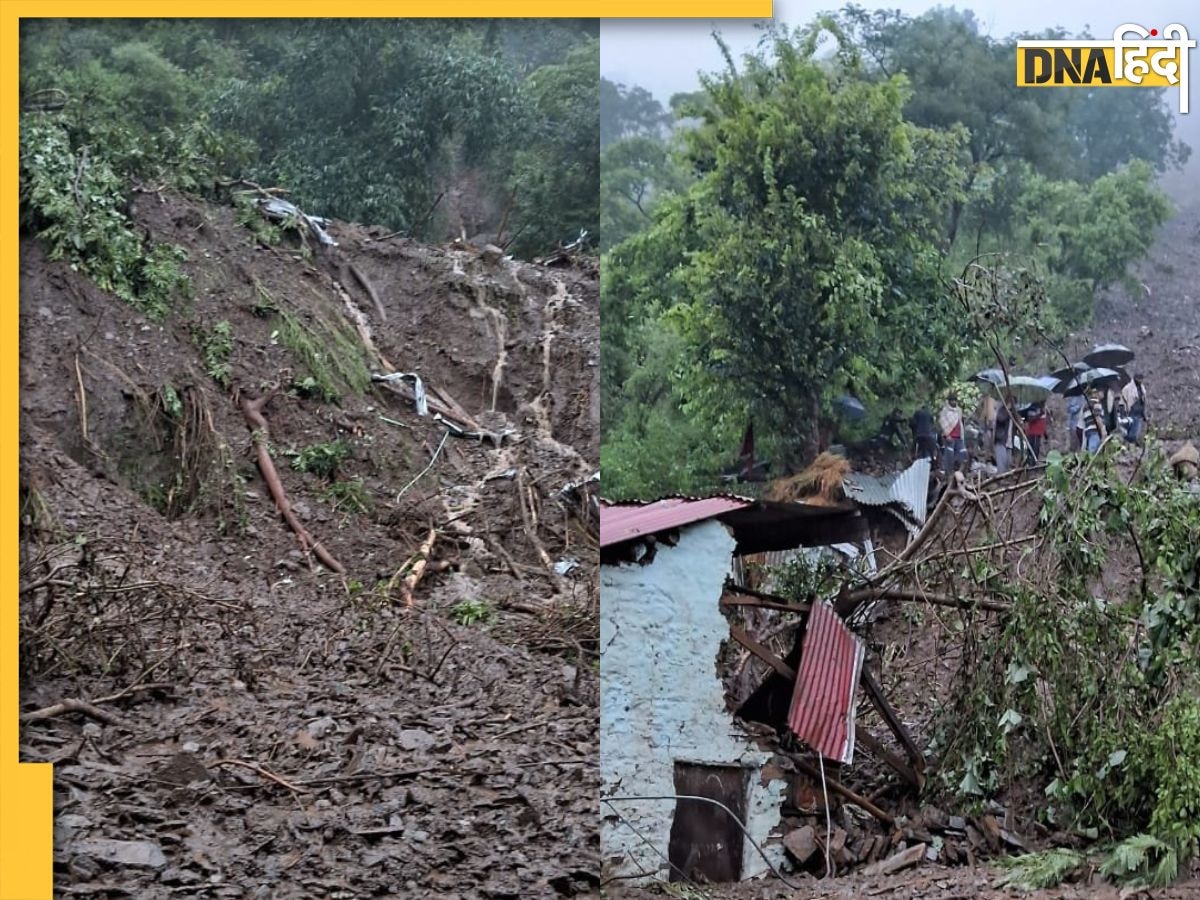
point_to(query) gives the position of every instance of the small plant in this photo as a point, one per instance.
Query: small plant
(321, 459)
(1036, 871)
(470, 612)
(216, 345)
(350, 496)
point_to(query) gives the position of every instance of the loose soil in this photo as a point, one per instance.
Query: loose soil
(269, 728)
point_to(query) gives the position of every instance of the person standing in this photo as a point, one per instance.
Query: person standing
(1134, 395)
(950, 420)
(1002, 429)
(1035, 428)
(1075, 423)
(924, 435)
(1094, 430)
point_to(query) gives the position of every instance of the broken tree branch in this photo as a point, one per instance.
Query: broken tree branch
(370, 289)
(252, 410)
(73, 705)
(412, 570)
(936, 599)
(877, 749)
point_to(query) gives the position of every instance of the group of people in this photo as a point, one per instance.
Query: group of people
(1090, 419)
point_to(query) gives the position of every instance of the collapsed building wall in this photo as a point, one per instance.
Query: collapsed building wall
(662, 704)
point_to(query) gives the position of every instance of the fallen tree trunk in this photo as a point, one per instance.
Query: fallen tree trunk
(252, 410)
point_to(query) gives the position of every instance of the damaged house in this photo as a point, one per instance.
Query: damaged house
(694, 783)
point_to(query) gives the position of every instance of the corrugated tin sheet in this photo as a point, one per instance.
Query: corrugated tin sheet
(623, 522)
(822, 712)
(908, 489)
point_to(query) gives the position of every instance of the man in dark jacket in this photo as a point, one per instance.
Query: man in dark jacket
(924, 435)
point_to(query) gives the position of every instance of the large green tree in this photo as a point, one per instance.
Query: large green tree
(808, 257)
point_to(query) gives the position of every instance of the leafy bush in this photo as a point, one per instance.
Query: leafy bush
(74, 200)
(351, 496)
(216, 345)
(321, 459)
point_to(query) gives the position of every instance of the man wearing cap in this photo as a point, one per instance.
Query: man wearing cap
(1134, 395)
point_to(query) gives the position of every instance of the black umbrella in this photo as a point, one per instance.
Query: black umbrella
(1067, 374)
(850, 407)
(1109, 356)
(988, 376)
(1084, 381)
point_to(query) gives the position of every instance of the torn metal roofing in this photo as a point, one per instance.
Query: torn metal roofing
(908, 489)
(822, 711)
(624, 521)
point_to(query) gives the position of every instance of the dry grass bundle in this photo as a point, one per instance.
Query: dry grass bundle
(820, 484)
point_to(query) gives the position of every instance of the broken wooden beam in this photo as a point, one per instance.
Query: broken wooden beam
(837, 787)
(732, 600)
(877, 749)
(875, 692)
(739, 634)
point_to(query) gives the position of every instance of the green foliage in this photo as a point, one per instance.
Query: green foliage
(471, 612)
(627, 112)
(73, 198)
(366, 120)
(350, 496)
(556, 172)
(1096, 697)
(216, 346)
(635, 172)
(330, 350)
(1036, 871)
(321, 459)
(805, 261)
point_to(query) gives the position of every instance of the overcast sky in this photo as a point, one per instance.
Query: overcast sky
(664, 55)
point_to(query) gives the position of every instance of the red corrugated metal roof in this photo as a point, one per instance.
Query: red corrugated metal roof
(622, 522)
(822, 712)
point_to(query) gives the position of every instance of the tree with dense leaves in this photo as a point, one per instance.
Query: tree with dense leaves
(808, 250)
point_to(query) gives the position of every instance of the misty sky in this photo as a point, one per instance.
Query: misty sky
(664, 55)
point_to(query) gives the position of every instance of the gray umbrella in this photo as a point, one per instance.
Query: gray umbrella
(1109, 356)
(988, 376)
(1024, 390)
(1089, 379)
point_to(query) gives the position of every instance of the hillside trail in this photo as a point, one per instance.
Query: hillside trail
(261, 726)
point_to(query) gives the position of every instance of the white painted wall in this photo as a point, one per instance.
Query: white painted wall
(661, 700)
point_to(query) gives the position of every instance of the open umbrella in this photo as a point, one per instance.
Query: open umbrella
(1109, 356)
(1089, 379)
(988, 376)
(850, 407)
(1023, 388)
(1069, 373)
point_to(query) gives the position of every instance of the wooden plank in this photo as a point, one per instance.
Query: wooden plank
(731, 600)
(875, 692)
(877, 749)
(739, 635)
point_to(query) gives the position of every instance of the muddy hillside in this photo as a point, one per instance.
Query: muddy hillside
(393, 691)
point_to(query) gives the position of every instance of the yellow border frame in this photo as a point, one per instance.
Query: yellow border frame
(26, 790)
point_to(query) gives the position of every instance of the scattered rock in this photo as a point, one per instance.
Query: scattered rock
(801, 844)
(415, 739)
(145, 854)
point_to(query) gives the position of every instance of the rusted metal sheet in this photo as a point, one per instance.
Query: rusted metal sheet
(822, 712)
(706, 842)
(908, 491)
(622, 522)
